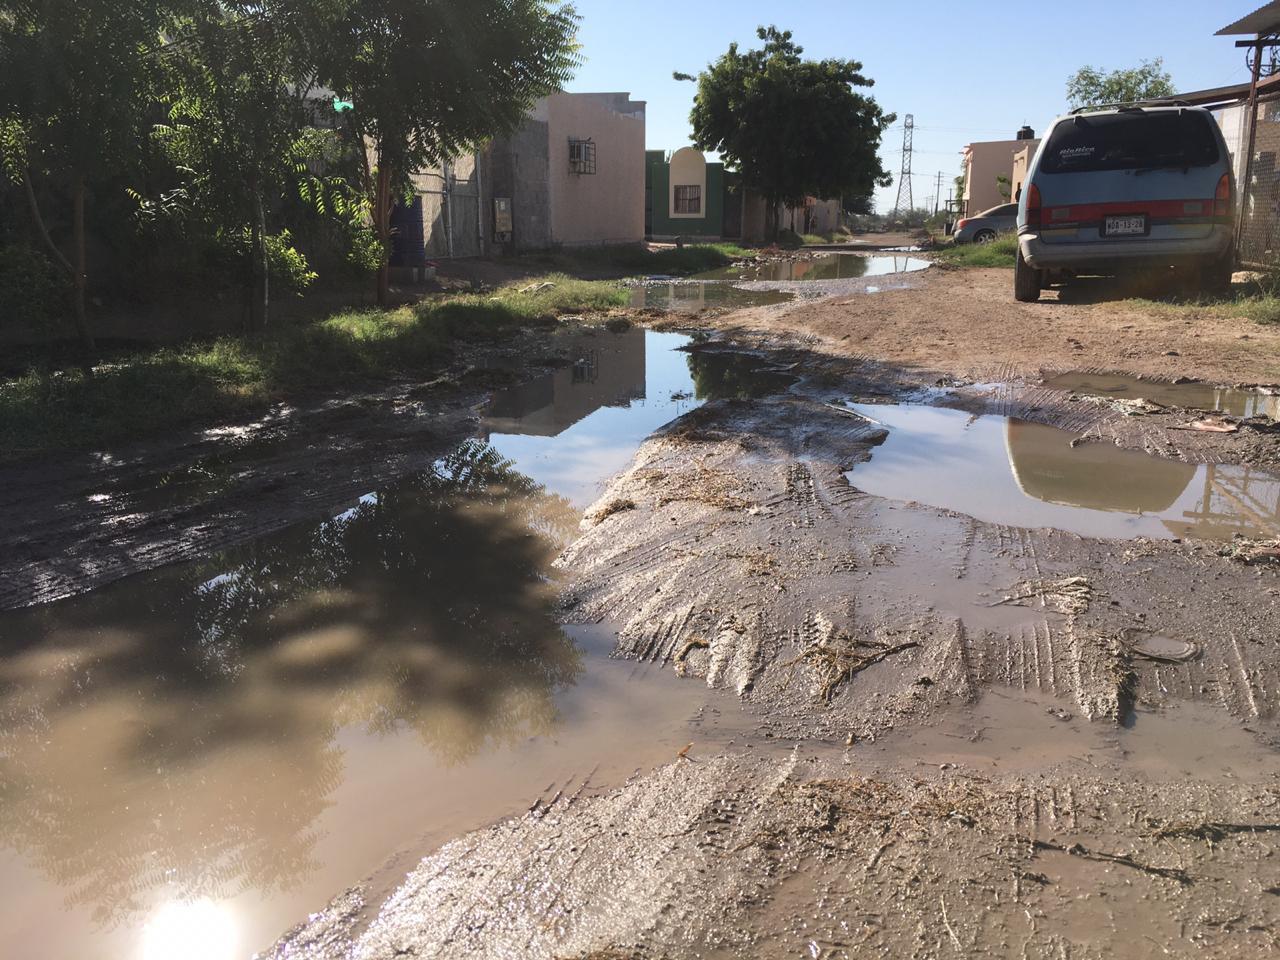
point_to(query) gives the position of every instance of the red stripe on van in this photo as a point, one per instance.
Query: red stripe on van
(1078, 213)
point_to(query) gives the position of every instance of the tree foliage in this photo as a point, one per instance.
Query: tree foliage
(792, 127)
(431, 79)
(1147, 81)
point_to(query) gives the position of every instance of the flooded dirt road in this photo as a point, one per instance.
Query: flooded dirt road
(201, 748)
(715, 645)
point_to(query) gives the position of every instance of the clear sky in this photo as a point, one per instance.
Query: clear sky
(972, 70)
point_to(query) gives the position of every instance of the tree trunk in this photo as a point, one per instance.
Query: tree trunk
(78, 270)
(259, 288)
(770, 219)
(382, 223)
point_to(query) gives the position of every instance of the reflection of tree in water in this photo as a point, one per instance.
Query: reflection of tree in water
(179, 728)
(728, 376)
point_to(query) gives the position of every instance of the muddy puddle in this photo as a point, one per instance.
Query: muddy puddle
(691, 296)
(1196, 396)
(832, 266)
(580, 424)
(738, 287)
(207, 752)
(1024, 474)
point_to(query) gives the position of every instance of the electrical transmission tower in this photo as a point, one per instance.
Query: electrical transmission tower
(904, 203)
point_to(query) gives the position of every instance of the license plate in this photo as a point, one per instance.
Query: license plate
(1124, 227)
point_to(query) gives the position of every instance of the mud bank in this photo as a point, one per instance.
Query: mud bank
(966, 737)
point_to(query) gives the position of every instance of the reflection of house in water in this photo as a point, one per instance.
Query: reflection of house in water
(606, 371)
(1232, 499)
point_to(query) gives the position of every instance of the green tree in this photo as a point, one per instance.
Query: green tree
(72, 106)
(430, 79)
(1148, 81)
(235, 125)
(792, 127)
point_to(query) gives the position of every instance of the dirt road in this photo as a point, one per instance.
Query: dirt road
(991, 665)
(966, 323)
(969, 737)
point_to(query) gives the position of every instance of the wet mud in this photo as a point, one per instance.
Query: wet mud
(966, 736)
(718, 646)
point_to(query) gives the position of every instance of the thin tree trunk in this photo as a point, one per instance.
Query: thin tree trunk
(81, 267)
(264, 262)
(77, 271)
(382, 220)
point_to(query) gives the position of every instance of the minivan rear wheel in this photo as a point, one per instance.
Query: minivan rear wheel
(1026, 280)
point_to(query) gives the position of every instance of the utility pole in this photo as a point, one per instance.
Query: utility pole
(904, 178)
(937, 193)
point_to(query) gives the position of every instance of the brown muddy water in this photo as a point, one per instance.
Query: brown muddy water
(1024, 474)
(192, 759)
(722, 287)
(1238, 402)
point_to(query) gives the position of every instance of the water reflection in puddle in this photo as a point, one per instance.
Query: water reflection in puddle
(1028, 475)
(213, 749)
(574, 428)
(722, 287)
(833, 266)
(1196, 396)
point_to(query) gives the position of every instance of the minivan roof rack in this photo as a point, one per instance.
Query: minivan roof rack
(1129, 105)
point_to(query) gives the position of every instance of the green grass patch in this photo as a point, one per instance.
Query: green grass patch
(998, 253)
(1258, 301)
(146, 393)
(835, 236)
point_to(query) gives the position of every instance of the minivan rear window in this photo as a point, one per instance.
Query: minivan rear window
(1131, 141)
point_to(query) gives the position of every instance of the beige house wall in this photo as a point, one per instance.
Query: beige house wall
(982, 163)
(606, 206)
(1021, 161)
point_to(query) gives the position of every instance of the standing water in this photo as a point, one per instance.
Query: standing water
(191, 759)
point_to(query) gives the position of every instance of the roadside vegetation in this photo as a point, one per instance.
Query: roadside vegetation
(1257, 299)
(998, 253)
(143, 394)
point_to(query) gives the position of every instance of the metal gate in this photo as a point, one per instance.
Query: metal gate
(452, 196)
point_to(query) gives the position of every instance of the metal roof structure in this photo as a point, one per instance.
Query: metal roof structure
(1264, 20)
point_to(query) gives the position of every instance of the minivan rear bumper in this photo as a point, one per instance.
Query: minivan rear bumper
(1106, 255)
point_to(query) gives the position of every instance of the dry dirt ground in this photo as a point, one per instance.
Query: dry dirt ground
(966, 323)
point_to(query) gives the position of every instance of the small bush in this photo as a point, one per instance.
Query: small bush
(35, 293)
(1000, 252)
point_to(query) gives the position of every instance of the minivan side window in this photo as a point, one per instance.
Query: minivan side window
(1131, 141)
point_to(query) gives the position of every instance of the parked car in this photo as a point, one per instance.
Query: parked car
(1119, 189)
(984, 227)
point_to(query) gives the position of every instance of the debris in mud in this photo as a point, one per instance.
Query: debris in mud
(837, 658)
(1210, 425)
(608, 509)
(1250, 551)
(1070, 595)
(1124, 860)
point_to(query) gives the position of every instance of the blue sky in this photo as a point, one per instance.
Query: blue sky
(974, 70)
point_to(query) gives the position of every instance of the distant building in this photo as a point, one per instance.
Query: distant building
(573, 174)
(986, 161)
(685, 196)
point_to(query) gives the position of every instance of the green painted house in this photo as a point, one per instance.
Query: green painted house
(687, 197)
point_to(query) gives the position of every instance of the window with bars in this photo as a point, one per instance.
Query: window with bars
(582, 156)
(689, 199)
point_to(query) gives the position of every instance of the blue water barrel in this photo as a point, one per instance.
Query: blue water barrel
(408, 241)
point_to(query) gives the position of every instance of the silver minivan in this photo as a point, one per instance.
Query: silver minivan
(1120, 189)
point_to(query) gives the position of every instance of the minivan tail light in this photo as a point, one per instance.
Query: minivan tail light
(960, 224)
(1222, 197)
(1033, 206)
